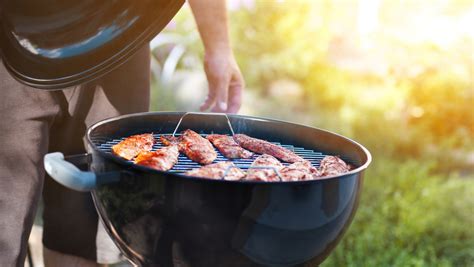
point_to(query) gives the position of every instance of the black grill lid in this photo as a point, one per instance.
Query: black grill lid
(52, 44)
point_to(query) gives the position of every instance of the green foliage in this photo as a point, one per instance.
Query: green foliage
(445, 104)
(409, 216)
(262, 38)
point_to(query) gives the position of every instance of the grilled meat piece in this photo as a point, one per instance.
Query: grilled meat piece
(333, 165)
(134, 145)
(163, 159)
(228, 147)
(299, 171)
(194, 146)
(258, 172)
(264, 147)
(217, 171)
(169, 140)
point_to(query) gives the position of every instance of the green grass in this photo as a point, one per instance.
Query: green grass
(409, 216)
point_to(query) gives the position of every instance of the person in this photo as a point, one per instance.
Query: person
(33, 122)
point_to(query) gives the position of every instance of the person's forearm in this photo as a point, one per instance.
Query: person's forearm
(211, 20)
(223, 75)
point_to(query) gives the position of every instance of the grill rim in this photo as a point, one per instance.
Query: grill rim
(131, 165)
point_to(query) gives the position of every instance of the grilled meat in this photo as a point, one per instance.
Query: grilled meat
(163, 159)
(217, 171)
(194, 146)
(228, 147)
(131, 146)
(299, 171)
(264, 147)
(259, 172)
(333, 165)
(169, 140)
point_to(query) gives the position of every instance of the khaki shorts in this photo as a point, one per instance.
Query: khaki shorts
(34, 122)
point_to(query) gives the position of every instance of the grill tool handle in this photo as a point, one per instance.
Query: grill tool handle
(203, 114)
(69, 175)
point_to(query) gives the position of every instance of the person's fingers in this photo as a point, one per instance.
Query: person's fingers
(235, 93)
(221, 89)
(209, 102)
(211, 95)
(221, 100)
(236, 99)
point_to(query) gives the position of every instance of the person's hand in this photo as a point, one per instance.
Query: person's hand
(225, 82)
(223, 74)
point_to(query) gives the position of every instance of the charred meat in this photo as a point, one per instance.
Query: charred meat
(131, 146)
(163, 159)
(264, 147)
(228, 147)
(194, 146)
(218, 170)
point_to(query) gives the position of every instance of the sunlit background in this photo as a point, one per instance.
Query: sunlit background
(396, 76)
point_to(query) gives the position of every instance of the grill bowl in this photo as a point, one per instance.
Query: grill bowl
(159, 218)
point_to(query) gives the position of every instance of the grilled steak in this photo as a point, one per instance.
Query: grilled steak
(257, 172)
(217, 171)
(299, 171)
(228, 147)
(131, 146)
(333, 165)
(264, 147)
(194, 146)
(163, 159)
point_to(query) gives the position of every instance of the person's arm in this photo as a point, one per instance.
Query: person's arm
(223, 74)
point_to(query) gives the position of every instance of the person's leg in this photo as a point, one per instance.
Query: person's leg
(25, 117)
(57, 259)
(69, 218)
(71, 227)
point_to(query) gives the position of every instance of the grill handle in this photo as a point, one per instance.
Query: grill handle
(69, 175)
(204, 114)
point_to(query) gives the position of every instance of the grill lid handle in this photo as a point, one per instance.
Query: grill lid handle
(204, 114)
(68, 174)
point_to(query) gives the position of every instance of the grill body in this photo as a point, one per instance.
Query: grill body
(163, 218)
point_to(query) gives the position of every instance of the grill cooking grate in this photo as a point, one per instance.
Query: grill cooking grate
(185, 164)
